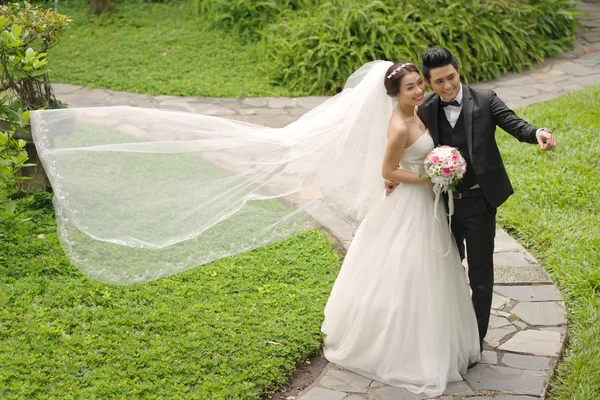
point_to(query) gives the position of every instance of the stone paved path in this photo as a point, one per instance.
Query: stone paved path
(528, 325)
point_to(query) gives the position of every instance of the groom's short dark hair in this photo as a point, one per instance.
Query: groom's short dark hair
(436, 57)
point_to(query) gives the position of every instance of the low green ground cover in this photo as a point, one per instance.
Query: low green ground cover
(555, 213)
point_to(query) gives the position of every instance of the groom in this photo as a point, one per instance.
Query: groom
(463, 117)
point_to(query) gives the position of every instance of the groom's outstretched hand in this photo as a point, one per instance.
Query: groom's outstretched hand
(546, 140)
(389, 186)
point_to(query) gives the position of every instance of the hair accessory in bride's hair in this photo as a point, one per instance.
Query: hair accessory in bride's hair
(394, 72)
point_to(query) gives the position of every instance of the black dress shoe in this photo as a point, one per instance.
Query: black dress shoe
(472, 364)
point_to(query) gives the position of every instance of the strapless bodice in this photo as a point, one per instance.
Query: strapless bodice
(414, 155)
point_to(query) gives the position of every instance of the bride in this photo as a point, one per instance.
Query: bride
(400, 311)
(140, 194)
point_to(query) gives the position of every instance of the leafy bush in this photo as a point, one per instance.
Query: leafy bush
(12, 157)
(247, 17)
(318, 48)
(27, 32)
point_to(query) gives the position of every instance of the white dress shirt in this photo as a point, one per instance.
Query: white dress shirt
(452, 112)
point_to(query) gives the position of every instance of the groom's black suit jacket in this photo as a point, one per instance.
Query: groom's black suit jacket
(483, 111)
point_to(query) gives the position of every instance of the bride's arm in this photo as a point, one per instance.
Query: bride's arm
(397, 139)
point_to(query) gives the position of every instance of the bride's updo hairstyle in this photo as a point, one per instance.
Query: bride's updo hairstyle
(394, 75)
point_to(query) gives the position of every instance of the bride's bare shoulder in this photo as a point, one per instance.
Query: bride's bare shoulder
(397, 127)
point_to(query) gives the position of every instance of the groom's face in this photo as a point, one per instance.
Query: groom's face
(445, 81)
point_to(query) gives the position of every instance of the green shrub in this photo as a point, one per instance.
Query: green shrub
(13, 157)
(247, 17)
(27, 33)
(317, 49)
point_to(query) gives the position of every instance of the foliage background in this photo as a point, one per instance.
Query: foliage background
(243, 48)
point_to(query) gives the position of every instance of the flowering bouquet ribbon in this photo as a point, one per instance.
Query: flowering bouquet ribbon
(445, 166)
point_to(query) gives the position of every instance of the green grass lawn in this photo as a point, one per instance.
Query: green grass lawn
(156, 49)
(234, 329)
(213, 330)
(555, 213)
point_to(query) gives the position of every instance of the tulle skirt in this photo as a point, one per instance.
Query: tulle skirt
(400, 310)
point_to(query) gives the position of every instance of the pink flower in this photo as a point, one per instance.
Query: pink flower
(446, 171)
(455, 157)
(435, 159)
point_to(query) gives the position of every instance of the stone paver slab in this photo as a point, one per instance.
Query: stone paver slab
(513, 258)
(512, 380)
(526, 362)
(508, 274)
(503, 242)
(311, 101)
(317, 393)
(540, 313)
(495, 336)
(536, 99)
(588, 80)
(530, 292)
(344, 381)
(521, 91)
(549, 74)
(540, 343)
(394, 393)
(575, 69)
(458, 389)
(497, 322)
(521, 81)
(255, 102)
(282, 103)
(519, 324)
(489, 357)
(499, 301)
(569, 85)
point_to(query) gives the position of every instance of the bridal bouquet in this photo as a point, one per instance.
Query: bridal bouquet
(445, 166)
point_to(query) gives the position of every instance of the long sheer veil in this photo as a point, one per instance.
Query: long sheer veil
(141, 193)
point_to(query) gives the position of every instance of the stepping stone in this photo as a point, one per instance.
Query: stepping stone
(282, 102)
(499, 301)
(540, 313)
(508, 274)
(459, 388)
(489, 357)
(342, 380)
(526, 362)
(255, 102)
(497, 322)
(394, 393)
(530, 292)
(503, 242)
(514, 258)
(521, 91)
(322, 394)
(572, 68)
(512, 380)
(495, 336)
(540, 343)
(311, 101)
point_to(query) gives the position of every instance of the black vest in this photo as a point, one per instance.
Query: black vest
(456, 137)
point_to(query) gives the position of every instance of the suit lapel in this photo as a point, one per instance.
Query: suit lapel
(433, 126)
(468, 118)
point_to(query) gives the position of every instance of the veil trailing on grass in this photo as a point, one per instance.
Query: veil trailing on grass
(140, 193)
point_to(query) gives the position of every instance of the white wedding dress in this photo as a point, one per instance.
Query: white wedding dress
(400, 311)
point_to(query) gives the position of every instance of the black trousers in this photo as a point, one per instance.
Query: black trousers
(474, 222)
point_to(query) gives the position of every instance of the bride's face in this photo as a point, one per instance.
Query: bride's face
(412, 89)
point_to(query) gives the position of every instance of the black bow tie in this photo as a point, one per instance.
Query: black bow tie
(450, 103)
